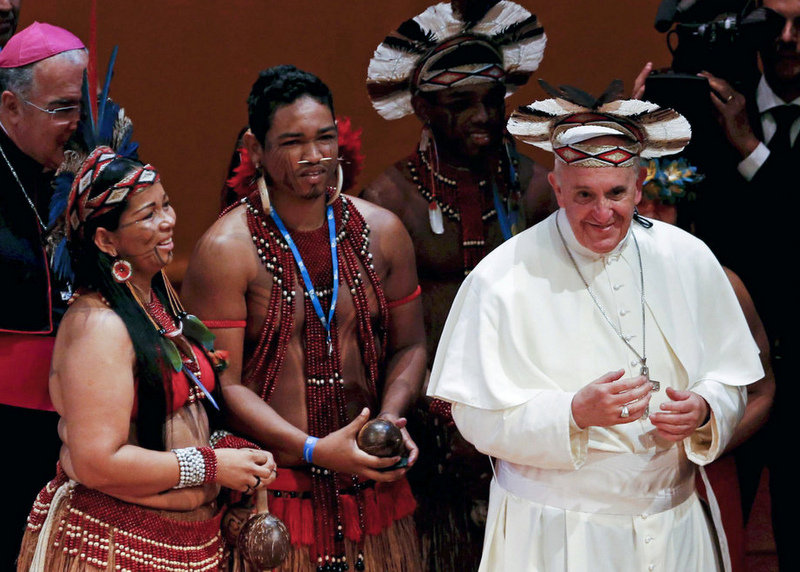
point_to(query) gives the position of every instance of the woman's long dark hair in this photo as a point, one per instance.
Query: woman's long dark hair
(93, 272)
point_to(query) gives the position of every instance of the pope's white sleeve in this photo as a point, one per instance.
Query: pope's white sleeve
(539, 432)
(727, 405)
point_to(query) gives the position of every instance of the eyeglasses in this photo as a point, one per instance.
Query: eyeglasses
(65, 114)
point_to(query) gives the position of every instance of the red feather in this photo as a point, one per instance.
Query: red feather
(243, 181)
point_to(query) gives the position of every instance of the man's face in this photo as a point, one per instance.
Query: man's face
(301, 148)
(781, 58)
(9, 17)
(56, 83)
(598, 202)
(468, 121)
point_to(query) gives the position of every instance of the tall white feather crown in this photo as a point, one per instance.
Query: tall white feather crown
(573, 117)
(452, 45)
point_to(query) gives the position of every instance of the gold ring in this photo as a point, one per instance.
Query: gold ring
(731, 97)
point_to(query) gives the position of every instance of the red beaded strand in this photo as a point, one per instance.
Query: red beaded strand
(326, 401)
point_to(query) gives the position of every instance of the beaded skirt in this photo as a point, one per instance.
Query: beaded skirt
(385, 537)
(73, 528)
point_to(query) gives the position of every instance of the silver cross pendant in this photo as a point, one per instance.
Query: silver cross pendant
(645, 371)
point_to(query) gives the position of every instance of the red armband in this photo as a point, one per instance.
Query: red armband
(225, 323)
(411, 297)
(222, 439)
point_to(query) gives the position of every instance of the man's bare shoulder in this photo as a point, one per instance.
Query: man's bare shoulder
(228, 236)
(391, 188)
(224, 254)
(380, 219)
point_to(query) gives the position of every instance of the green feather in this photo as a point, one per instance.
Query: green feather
(172, 354)
(195, 329)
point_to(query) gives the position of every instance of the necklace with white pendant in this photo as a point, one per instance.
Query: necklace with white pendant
(644, 370)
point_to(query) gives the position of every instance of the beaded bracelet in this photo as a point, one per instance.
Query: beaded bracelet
(197, 466)
(308, 449)
(210, 460)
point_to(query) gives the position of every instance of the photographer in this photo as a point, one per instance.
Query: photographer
(750, 219)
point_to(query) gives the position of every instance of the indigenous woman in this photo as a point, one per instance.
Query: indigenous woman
(133, 378)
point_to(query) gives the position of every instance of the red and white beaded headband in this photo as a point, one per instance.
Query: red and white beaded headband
(569, 124)
(82, 206)
(448, 65)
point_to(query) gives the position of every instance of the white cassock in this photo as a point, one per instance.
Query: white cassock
(524, 335)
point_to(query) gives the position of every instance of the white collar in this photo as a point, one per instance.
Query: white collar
(586, 253)
(766, 98)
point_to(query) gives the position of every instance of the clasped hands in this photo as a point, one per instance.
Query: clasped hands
(601, 402)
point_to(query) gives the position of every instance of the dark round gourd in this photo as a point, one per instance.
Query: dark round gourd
(381, 438)
(264, 541)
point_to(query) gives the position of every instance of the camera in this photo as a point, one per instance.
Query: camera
(718, 36)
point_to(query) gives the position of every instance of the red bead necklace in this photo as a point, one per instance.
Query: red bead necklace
(325, 396)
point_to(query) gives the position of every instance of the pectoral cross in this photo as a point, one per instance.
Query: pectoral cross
(645, 371)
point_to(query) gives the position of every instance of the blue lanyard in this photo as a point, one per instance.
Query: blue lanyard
(502, 214)
(507, 218)
(312, 294)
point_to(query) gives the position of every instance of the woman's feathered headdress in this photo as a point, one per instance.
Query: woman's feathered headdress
(110, 127)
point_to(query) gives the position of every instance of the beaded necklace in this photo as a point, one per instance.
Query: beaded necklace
(468, 205)
(170, 325)
(325, 397)
(156, 310)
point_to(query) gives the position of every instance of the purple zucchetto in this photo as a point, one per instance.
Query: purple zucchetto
(37, 42)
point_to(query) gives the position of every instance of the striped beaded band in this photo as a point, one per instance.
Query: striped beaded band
(195, 467)
(210, 462)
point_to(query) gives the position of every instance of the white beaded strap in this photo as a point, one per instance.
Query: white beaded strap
(192, 467)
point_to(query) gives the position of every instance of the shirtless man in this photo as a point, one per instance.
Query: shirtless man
(447, 194)
(304, 376)
(463, 149)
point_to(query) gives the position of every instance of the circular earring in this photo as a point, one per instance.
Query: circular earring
(339, 183)
(121, 270)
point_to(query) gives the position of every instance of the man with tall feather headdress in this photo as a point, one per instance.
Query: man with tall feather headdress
(460, 194)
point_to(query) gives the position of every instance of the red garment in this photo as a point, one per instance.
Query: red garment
(384, 503)
(25, 370)
(101, 528)
(182, 386)
(725, 482)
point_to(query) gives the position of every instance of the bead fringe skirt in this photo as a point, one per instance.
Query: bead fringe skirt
(72, 528)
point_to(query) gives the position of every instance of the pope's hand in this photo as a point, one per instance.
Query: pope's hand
(600, 403)
(680, 417)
